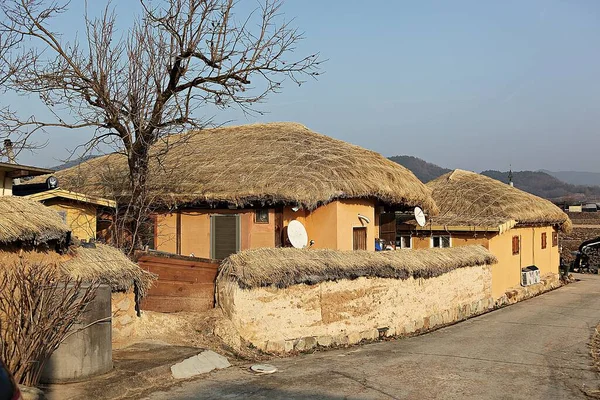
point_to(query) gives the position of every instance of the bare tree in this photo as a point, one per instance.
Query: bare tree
(144, 87)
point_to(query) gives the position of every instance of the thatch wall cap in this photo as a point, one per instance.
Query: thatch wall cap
(29, 222)
(283, 267)
(256, 164)
(469, 199)
(107, 264)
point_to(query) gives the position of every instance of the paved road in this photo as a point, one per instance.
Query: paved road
(532, 350)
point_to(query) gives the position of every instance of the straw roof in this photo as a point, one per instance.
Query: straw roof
(107, 264)
(256, 164)
(103, 264)
(27, 221)
(283, 267)
(469, 199)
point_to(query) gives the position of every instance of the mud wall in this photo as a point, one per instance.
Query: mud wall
(347, 311)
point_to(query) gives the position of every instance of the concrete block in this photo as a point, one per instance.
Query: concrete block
(324, 341)
(199, 364)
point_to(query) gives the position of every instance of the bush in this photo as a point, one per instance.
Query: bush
(38, 309)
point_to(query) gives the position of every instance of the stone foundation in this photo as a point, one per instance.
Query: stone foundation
(123, 317)
(301, 317)
(548, 282)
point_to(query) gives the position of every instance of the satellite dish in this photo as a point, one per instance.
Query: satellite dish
(420, 216)
(297, 234)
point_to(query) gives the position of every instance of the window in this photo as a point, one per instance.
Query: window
(516, 245)
(403, 242)
(224, 235)
(261, 216)
(544, 240)
(554, 239)
(440, 241)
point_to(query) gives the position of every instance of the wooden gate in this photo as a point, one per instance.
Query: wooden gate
(184, 283)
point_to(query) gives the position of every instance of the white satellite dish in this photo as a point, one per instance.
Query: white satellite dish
(297, 234)
(420, 216)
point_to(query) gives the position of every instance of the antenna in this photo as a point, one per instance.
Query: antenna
(420, 216)
(297, 234)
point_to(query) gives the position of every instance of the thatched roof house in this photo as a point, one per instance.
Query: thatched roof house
(256, 164)
(29, 222)
(520, 229)
(287, 266)
(474, 200)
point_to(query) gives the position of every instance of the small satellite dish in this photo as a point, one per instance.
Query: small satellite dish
(420, 216)
(297, 234)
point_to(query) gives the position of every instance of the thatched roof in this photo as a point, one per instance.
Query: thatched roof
(469, 199)
(30, 222)
(107, 264)
(256, 164)
(283, 267)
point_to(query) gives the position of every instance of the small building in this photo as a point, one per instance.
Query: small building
(9, 172)
(520, 229)
(223, 190)
(575, 209)
(590, 207)
(80, 212)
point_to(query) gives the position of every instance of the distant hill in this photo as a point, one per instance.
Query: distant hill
(540, 183)
(72, 163)
(422, 169)
(547, 186)
(577, 177)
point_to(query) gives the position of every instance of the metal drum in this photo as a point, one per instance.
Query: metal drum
(88, 352)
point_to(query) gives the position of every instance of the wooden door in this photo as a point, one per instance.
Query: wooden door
(360, 238)
(279, 227)
(387, 227)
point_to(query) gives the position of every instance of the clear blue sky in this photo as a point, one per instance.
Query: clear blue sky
(464, 84)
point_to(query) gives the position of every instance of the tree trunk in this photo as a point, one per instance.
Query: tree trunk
(136, 213)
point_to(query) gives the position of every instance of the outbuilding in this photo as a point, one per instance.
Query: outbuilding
(520, 229)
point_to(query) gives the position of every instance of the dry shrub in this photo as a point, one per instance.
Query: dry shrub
(38, 310)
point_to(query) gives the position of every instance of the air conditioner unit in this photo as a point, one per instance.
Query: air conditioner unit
(525, 278)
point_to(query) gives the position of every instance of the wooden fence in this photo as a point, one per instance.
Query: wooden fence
(184, 283)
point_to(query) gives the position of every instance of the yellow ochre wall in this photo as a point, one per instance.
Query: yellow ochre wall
(81, 217)
(330, 226)
(507, 273)
(195, 231)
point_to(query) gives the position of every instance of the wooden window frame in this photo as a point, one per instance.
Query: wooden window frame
(400, 241)
(431, 241)
(256, 214)
(544, 240)
(516, 245)
(554, 239)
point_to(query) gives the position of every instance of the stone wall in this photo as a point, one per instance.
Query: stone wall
(547, 282)
(347, 311)
(123, 317)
